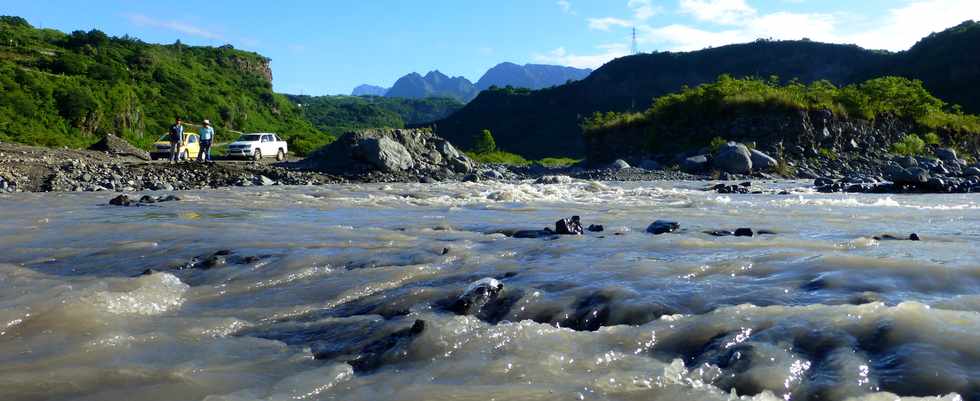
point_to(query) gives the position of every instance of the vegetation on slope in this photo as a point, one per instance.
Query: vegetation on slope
(892, 96)
(60, 89)
(545, 122)
(336, 114)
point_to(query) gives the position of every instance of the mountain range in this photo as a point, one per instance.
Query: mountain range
(544, 123)
(437, 84)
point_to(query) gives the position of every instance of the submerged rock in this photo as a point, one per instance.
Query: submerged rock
(387, 349)
(744, 232)
(662, 227)
(596, 228)
(476, 295)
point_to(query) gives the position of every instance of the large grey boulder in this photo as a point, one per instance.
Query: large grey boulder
(762, 161)
(733, 158)
(386, 154)
(398, 151)
(695, 164)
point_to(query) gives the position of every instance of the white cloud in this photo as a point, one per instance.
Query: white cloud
(142, 20)
(566, 6)
(905, 25)
(561, 56)
(726, 12)
(603, 24)
(642, 9)
(678, 37)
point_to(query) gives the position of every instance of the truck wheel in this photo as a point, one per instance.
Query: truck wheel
(281, 155)
(257, 155)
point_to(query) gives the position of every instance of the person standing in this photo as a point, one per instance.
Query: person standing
(207, 135)
(176, 138)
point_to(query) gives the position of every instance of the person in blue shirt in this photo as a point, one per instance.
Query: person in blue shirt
(207, 135)
(176, 139)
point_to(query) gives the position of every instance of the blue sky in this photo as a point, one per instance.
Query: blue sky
(330, 46)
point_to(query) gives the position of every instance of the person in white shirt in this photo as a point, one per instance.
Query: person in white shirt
(207, 135)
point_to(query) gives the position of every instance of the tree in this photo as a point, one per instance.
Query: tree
(484, 142)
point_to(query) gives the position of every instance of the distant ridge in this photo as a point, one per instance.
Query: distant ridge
(433, 84)
(531, 76)
(369, 90)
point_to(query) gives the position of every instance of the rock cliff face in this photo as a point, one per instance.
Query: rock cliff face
(254, 65)
(396, 152)
(793, 134)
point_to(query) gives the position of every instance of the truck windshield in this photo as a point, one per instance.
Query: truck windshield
(249, 138)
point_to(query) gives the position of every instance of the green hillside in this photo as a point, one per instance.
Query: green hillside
(60, 89)
(546, 122)
(336, 114)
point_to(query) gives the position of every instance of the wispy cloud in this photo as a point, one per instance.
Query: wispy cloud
(642, 9)
(173, 25)
(718, 11)
(561, 56)
(603, 24)
(566, 7)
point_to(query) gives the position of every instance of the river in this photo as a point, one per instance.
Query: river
(820, 310)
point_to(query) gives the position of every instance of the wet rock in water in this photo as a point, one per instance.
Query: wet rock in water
(445, 251)
(733, 158)
(121, 200)
(476, 295)
(385, 350)
(889, 237)
(570, 226)
(553, 179)
(823, 181)
(744, 232)
(971, 172)
(532, 233)
(662, 227)
(147, 199)
(596, 228)
(730, 189)
(720, 233)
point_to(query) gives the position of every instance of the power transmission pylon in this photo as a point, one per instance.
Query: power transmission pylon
(636, 49)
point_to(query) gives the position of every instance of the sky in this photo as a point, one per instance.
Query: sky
(331, 46)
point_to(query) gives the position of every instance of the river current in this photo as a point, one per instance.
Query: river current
(354, 292)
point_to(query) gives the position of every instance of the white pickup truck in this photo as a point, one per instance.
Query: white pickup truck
(258, 145)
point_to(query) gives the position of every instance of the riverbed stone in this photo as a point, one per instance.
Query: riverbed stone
(946, 154)
(569, 226)
(695, 164)
(762, 161)
(733, 158)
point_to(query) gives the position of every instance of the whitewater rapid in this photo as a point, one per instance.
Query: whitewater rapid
(311, 279)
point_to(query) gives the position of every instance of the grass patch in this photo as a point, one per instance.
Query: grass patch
(499, 157)
(556, 162)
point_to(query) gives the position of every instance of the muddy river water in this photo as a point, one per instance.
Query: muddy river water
(374, 292)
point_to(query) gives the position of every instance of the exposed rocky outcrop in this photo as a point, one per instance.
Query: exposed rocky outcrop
(396, 152)
(117, 146)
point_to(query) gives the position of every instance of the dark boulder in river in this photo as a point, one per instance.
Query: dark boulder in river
(408, 151)
(570, 226)
(662, 227)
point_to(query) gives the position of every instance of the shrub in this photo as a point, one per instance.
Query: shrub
(716, 144)
(932, 139)
(498, 157)
(910, 145)
(484, 143)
